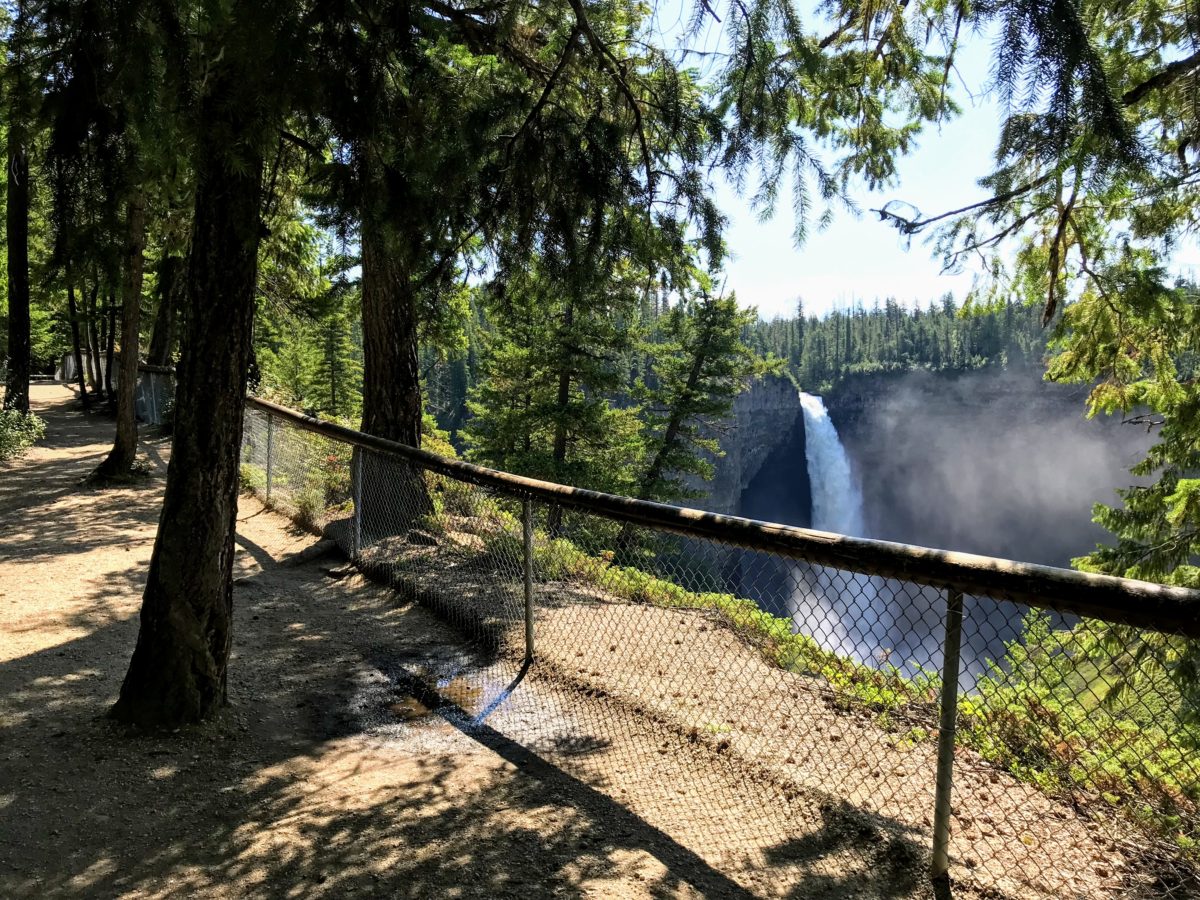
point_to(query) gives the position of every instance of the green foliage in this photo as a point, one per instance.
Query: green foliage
(308, 336)
(820, 351)
(18, 432)
(1143, 352)
(1088, 711)
(699, 364)
(557, 357)
(252, 479)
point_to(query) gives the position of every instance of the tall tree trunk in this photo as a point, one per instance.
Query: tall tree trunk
(95, 371)
(178, 670)
(73, 309)
(16, 389)
(121, 458)
(162, 332)
(110, 346)
(555, 513)
(391, 384)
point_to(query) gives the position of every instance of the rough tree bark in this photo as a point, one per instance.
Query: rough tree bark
(16, 389)
(120, 460)
(95, 370)
(394, 494)
(109, 339)
(178, 670)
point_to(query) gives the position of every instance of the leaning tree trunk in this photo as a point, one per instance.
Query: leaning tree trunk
(162, 332)
(16, 392)
(120, 460)
(109, 320)
(95, 370)
(554, 516)
(178, 670)
(393, 495)
(73, 310)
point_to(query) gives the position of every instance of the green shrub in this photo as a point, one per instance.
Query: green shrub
(252, 478)
(457, 498)
(310, 508)
(1076, 714)
(18, 432)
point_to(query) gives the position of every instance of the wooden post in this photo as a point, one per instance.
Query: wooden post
(947, 723)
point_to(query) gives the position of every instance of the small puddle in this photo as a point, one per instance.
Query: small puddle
(409, 709)
(462, 693)
(421, 694)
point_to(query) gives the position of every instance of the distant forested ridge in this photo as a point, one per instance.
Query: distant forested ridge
(815, 351)
(818, 351)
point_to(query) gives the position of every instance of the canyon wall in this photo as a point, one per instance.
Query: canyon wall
(762, 473)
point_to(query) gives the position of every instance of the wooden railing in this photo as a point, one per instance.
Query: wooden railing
(1159, 607)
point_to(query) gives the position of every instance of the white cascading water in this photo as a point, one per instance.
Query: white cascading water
(836, 497)
(839, 609)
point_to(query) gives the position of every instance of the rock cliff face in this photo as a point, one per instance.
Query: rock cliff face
(762, 473)
(992, 462)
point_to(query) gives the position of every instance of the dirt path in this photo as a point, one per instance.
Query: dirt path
(316, 781)
(330, 776)
(75, 444)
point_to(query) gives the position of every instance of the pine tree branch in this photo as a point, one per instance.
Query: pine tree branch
(609, 61)
(912, 226)
(546, 91)
(1162, 79)
(305, 145)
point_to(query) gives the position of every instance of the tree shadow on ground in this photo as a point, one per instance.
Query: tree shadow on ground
(210, 812)
(307, 785)
(76, 442)
(279, 798)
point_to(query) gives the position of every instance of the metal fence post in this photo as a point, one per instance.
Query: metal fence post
(356, 535)
(270, 453)
(947, 723)
(527, 521)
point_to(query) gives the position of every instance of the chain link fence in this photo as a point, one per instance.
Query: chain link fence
(805, 713)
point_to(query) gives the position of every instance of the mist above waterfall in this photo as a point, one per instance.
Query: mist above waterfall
(998, 463)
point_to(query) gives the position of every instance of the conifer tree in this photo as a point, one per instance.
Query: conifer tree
(544, 404)
(178, 672)
(700, 366)
(17, 210)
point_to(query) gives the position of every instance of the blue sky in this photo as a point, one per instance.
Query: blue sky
(858, 257)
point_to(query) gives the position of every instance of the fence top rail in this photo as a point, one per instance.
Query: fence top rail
(1122, 600)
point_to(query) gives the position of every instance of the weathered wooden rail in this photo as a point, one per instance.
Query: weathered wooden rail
(1159, 607)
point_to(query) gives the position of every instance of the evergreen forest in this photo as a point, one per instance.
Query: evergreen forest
(488, 228)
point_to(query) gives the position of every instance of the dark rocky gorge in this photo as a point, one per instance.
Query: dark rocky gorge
(999, 463)
(993, 462)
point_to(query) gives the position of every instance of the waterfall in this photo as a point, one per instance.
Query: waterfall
(836, 496)
(840, 610)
